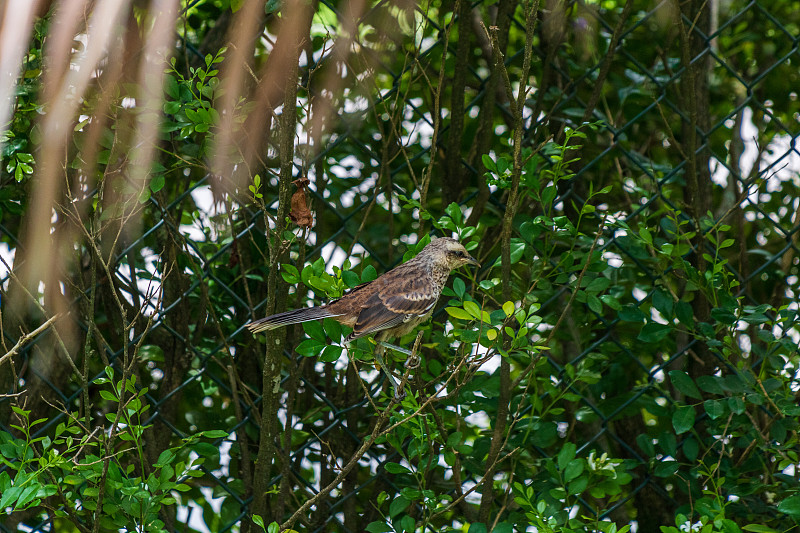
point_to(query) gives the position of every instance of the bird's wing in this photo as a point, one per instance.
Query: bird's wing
(375, 322)
(398, 300)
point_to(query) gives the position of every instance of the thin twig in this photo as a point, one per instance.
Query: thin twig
(25, 338)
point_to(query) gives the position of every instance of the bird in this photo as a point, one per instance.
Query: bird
(391, 305)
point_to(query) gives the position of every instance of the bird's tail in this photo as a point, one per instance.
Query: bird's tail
(289, 317)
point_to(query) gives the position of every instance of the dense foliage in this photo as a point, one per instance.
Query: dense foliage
(625, 359)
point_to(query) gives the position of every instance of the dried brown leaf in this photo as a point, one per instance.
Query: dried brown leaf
(300, 213)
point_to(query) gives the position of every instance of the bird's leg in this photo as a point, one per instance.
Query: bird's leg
(396, 348)
(379, 359)
(411, 362)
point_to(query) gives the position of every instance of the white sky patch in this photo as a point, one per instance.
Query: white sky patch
(614, 260)
(478, 419)
(7, 255)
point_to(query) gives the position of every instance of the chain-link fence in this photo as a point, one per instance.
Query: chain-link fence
(697, 117)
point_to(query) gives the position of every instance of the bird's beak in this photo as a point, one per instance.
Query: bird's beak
(472, 261)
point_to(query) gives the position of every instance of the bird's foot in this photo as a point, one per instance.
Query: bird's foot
(399, 393)
(412, 362)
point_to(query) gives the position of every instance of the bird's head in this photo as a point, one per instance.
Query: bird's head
(450, 253)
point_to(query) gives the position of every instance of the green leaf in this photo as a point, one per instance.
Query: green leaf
(333, 330)
(171, 87)
(714, 408)
(566, 454)
(108, 395)
(684, 313)
(315, 330)
(736, 405)
(170, 108)
(529, 231)
(28, 495)
(666, 468)
(724, 315)
(594, 304)
(734, 383)
(331, 354)
(455, 212)
(309, 347)
(548, 195)
(668, 443)
(368, 274)
(631, 313)
(645, 444)
(459, 288)
(94, 492)
(662, 301)
(759, 529)
(503, 527)
(654, 332)
(544, 434)
(157, 183)
(350, 278)
(394, 468)
(206, 450)
(10, 496)
(398, 505)
(165, 458)
(573, 470)
(290, 274)
(517, 249)
(488, 163)
(790, 505)
(710, 384)
(598, 284)
(379, 527)
(683, 419)
(473, 309)
(457, 312)
(681, 381)
(691, 448)
(611, 302)
(578, 486)
(644, 233)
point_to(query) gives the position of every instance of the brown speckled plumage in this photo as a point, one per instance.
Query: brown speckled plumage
(391, 305)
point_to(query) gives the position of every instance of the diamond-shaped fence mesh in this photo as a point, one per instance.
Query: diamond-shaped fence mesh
(695, 114)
